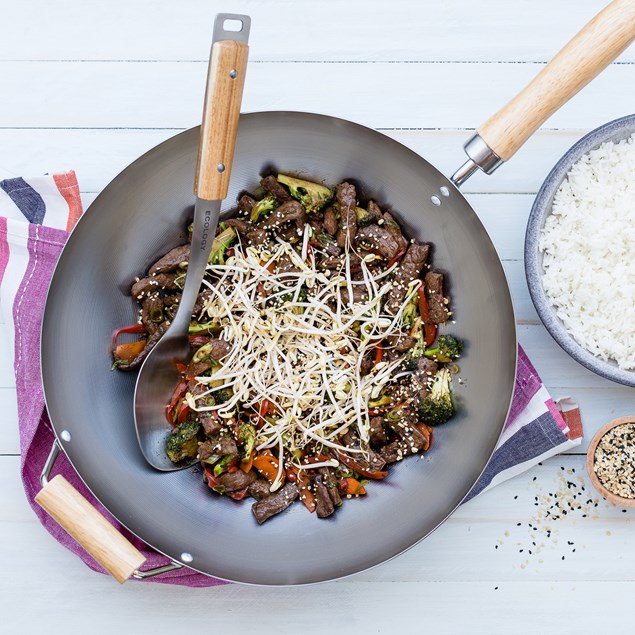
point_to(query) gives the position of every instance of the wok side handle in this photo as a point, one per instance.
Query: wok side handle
(89, 528)
(590, 51)
(221, 110)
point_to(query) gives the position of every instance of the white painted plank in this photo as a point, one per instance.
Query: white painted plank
(453, 582)
(169, 94)
(99, 155)
(359, 30)
(7, 378)
(9, 436)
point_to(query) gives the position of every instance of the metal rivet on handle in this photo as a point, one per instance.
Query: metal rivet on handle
(66, 435)
(220, 167)
(444, 190)
(233, 74)
(435, 200)
(187, 557)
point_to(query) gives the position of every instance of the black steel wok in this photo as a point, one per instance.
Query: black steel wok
(140, 215)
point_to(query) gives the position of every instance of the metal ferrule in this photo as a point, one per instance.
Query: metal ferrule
(481, 156)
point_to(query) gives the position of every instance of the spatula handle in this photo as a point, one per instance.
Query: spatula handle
(89, 528)
(585, 56)
(223, 95)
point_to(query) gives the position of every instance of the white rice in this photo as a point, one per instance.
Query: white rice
(588, 246)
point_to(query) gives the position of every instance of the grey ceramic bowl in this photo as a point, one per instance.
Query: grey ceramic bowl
(612, 131)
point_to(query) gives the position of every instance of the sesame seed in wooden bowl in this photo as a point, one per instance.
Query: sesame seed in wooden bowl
(611, 461)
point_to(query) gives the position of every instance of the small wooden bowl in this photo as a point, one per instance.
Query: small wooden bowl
(590, 456)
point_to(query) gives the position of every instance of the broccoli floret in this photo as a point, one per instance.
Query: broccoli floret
(312, 195)
(410, 312)
(415, 353)
(448, 348)
(223, 395)
(247, 437)
(220, 245)
(183, 442)
(364, 217)
(262, 207)
(437, 407)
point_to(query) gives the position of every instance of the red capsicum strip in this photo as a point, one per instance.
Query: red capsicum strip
(133, 328)
(357, 467)
(429, 328)
(379, 352)
(184, 412)
(179, 392)
(393, 260)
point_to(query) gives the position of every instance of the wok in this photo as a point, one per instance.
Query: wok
(140, 215)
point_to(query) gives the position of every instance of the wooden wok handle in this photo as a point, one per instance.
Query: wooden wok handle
(584, 57)
(91, 530)
(223, 96)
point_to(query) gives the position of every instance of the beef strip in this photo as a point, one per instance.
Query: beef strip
(373, 463)
(289, 211)
(346, 196)
(437, 302)
(219, 444)
(359, 292)
(329, 480)
(290, 234)
(206, 449)
(196, 369)
(171, 260)
(325, 505)
(150, 344)
(379, 238)
(245, 204)
(152, 313)
(171, 300)
(259, 489)
(219, 349)
(373, 210)
(271, 185)
(257, 236)
(407, 432)
(201, 299)
(211, 425)
(239, 224)
(237, 480)
(409, 268)
(160, 282)
(337, 263)
(401, 343)
(422, 378)
(274, 504)
(330, 221)
(368, 362)
(285, 265)
(378, 435)
(391, 225)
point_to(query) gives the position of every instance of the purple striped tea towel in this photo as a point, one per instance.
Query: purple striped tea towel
(35, 216)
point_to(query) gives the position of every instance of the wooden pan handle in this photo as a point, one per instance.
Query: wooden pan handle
(89, 528)
(584, 57)
(223, 96)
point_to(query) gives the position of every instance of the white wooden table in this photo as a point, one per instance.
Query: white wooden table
(91, 85)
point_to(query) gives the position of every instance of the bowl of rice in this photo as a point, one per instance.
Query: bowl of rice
(580, 251)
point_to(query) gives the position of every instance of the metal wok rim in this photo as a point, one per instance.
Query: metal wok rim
(505, 404)
(540, 211)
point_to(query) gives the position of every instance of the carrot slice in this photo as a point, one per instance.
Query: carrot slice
(127, 352)
(267, 465)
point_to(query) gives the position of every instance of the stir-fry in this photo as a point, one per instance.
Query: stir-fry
(316, 359)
